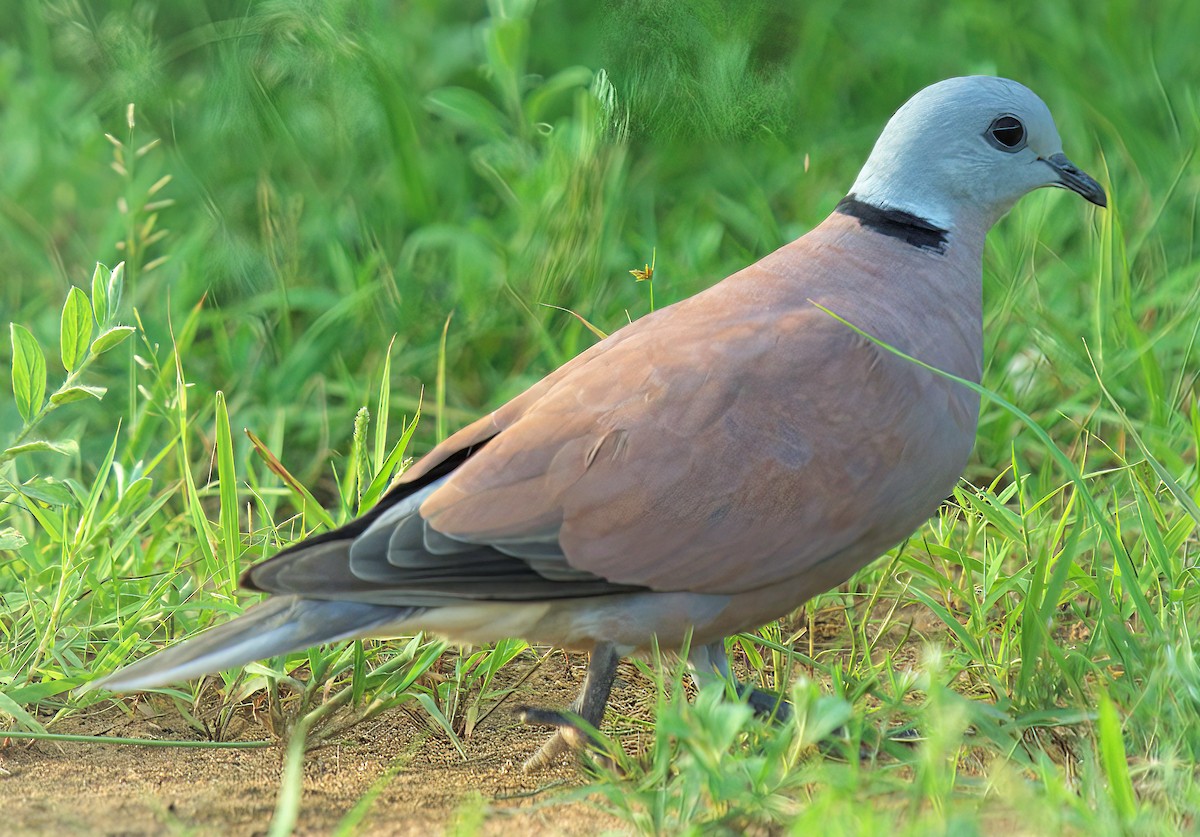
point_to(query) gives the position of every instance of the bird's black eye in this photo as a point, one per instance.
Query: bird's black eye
(1007, 133)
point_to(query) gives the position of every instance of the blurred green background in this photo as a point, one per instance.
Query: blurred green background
(342, 172)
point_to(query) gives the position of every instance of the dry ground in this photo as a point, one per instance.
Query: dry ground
(95, 789)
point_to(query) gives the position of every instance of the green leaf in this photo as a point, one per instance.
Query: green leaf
(77, 393)
(28, 372)
(291, 783)
(134, 495)
(67, 448)
(76, 331)
(116, 287)
(36, 692)
(469, 111)
(11, 540)
(100, 294)
(18, 713)
(48, 491)
(440, 388)
(383, 408)
(384, 475)
(231, 539)
(539, 102)
(92, 501)
(1114, 759)
(506, 44)
(110, 338)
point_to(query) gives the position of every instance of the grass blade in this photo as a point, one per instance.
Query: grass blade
(231, 538)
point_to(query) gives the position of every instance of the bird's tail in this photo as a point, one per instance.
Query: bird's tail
(277, 626)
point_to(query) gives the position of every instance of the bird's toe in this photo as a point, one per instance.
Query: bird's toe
(570, 736)
(768, 704)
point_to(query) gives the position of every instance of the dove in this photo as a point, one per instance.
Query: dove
(712, 465)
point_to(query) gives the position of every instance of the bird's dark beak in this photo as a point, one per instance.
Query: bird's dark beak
(1069, 177)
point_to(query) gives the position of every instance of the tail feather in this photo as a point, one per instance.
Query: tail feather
(277, 626)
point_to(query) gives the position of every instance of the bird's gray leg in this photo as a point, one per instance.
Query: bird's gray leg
(709, 663)
(589, 707)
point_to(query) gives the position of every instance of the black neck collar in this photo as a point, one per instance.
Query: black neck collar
(909, 228)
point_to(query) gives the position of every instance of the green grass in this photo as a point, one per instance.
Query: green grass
(303, 194)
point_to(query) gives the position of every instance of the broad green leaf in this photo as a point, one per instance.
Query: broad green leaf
(66, 448)
(28, 372)
(100, 294)
(134, 495)
(77, 393)
(116, 287)
(39, 691)
(18, 713)
(506, 45)
(110, 338)
(76, 332)
(469, 111)
(11, 539)
(48, 491)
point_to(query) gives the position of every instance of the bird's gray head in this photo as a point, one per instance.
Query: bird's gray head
(961, 152)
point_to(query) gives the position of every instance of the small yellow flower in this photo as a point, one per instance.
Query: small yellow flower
(647, 272)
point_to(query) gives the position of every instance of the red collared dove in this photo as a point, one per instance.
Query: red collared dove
(709, 467)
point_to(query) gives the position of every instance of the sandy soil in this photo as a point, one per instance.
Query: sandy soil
(91, 789)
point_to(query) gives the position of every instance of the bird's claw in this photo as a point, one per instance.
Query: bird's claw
(569, 737)
(768, 704)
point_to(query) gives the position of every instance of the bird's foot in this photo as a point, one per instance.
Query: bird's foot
(835, 744)
(570, 736)
(767, 704)
(575, 729)
(709, 663)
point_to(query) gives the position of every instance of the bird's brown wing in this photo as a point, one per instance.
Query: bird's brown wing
(689, 459)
